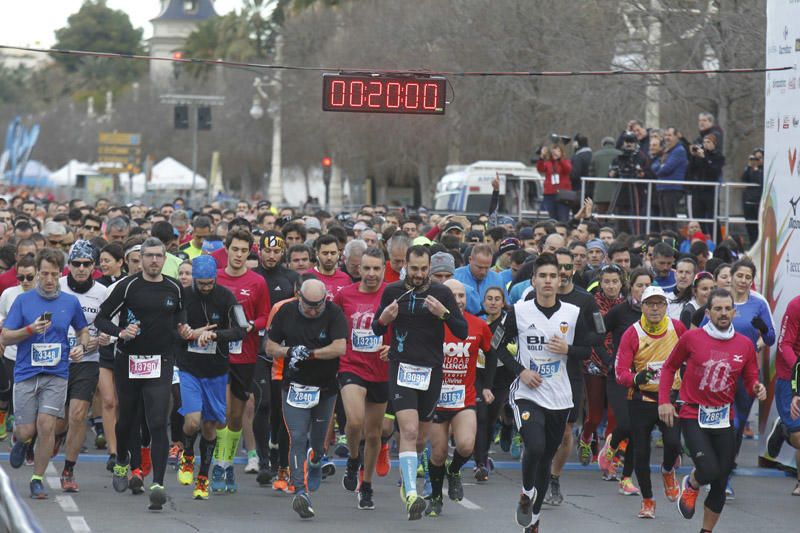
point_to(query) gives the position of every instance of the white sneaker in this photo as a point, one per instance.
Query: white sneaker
(252, 466)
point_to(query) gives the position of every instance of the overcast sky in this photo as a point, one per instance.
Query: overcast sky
(32, 22)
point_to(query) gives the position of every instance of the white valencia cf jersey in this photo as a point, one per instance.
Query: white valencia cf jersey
(535, 330)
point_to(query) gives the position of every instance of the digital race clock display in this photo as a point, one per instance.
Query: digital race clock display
(367, 93)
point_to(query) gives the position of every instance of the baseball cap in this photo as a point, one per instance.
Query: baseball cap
(652, 292)
(423, 240)
(526, 233)
(509, 244)
(360, 226)
(442, 262)
(312, 223)
(505, 220)
(474, 234)
(596, 244)
(453, 226)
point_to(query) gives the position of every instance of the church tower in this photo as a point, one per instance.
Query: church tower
(178, 18)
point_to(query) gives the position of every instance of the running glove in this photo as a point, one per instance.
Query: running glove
(643, 377)
(759, 325)
(297, 354)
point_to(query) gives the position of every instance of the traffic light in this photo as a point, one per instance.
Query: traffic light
(204, 118)
(181, 117)
(326, 169)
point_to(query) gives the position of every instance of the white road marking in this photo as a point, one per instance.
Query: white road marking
(54, 482)
(78, 524)
(67, 504)
(470, 505)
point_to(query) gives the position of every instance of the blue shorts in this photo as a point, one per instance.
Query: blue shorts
(783, 402)
(203, 395)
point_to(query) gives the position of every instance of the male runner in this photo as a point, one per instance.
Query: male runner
(327, 269)
(252, 294)
(541, 396)
(456, 407)
(210, 327)
(412, 307)
(363, 374)
(148, 305)
(714, 357)
(83, 374)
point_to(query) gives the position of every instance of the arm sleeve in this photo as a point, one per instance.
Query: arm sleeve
(109, 309)
(377, 327)
(490, 357)
(789, 331)
(510, 335)
(262, 308)
(766, 316)
(750, 371)
(232, 332)
(628, 346)
(673, 363)
(434, 231)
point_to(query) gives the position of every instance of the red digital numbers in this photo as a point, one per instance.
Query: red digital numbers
(379, 94)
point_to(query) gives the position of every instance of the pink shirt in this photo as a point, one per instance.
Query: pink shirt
(361, 358)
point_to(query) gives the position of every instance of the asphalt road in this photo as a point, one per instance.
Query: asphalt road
(763, 500)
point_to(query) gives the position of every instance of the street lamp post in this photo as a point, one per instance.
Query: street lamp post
(275, 191)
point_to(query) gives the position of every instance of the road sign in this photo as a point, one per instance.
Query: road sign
(125, 139)
(115, 148)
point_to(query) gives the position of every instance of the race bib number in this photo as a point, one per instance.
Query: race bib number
(176, 377)
(546, 370)
(414, 377)
(655, 367)
(72, 341)
(144, 366)
(45, 354)
(481, 359)
(235, 347)
(209, 348)
(452, 396)
(714, 417)
(302, 396)
(363, 340)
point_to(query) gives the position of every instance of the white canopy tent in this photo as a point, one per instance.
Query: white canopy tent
(67, 175)
(170, 174)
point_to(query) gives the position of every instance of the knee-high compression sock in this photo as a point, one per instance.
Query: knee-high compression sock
(408, 469)
(219, 451)
(232, 446)
(437, 479)
(206, 452)
(188, 444)
(456, 464)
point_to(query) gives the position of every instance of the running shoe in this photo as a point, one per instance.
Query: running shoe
(611, 473)
(147, 462)
(10, 423)
(427, 488)
(747, 433)
(120, 477)
(136, 481)
(481, 474)
(554, 496)
(341, 450)
(775, 439)
(186, 470)
(455, 489)
(18, 452)
(605, 458)
(627, 488)
(37, 490)
(158, 497)
(200, 488)
(100, 440)
(281, 481)
(729, 494)
(174, 455)
(3, 430)
(671, 488)
(230, 480)
(415, 506)
(218, 479)
(328, 468)
(796, 491)
(516, 446)
(312, 472)
(302, 505)
(252, 465)
(111, 461)
(29, 453)
(688, 499)
(350, 478)
(525, 509)
(648, 509)
(584, 451)
(264, 475)
(68, 483)
(383, 466)
(434, 506)
(532, 529)
(365, 502)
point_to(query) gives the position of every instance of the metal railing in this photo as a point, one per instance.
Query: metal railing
(15, 515)
(648, 216)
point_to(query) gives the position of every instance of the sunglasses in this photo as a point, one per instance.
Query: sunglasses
(92, 228)
(25, 277)
(614, 269)
(566, 266)
(81, 264)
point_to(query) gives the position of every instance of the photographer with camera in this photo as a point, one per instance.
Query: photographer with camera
(705, 164)
(751, 197)
(629, 198)
(556, 171)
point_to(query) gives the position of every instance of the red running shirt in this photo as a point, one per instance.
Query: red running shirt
(333, 283)
(363, 346)
(252, 294)
(712, 368)
(460, 361)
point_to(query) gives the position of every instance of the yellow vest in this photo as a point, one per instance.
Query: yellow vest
(652, 353)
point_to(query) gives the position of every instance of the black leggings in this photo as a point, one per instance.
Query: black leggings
(261, 416)
(542, 431)
(713, 452)
(154, 395)
(6, 381)
(644, 417)
(487, 416)
(278, 437)
(175, 418)
(618, 401)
